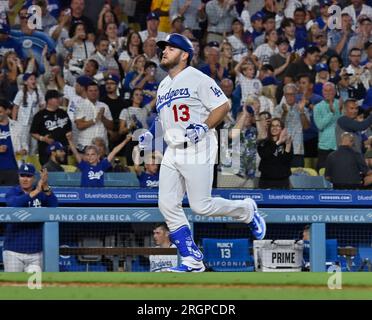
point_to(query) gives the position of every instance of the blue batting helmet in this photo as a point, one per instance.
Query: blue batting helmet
(178, 41)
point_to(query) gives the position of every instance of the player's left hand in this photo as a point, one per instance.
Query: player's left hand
(196, 132)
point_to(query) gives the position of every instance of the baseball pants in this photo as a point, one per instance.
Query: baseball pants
(191, 170)
(20, 262)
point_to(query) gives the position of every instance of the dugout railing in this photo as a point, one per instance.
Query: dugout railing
(318, 218)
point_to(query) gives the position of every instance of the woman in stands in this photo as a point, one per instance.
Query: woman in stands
(276, 153)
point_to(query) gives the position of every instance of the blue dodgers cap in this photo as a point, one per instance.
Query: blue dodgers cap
(178, 41)
(27, 75)
(27, 168)
(323, 3)
(152, 16)
(321, 67)
(257, 16)
(113, 77)
(55, 146)
(84, 81)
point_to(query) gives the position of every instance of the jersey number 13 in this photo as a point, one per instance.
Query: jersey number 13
(181, 113)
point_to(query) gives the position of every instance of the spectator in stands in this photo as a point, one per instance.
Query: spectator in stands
(265, 51)
(357, 9)
(50, 124)
(152, 30)
(47, 20)
(193, 12)
(149, 177)
(335, 65)
(320, 40)
(101, 147)
(360, 76)
(299, 18)
(213, 69)
(305, 91)
(10, 145)
(196, 61)
(220, 14)
(137, 69)
(160, 263)
(107, 16)
(57, 156)
(27, 103)
(296, 118)
(147, 82)
(363, 35)
(11, 68)
(268, 26)
(7, 42)
(132, 49)
(116, 104)
(348, 122)
(296, 45)
(106, 60)
(33, 41)
(238, 40)
(326, 114)
(116, 43)
(82, 48)
(276, 154)
(150, 50)
(59, 33)
(92, 170)
(226, 59)
(346, 168)
(77, 10)
(368, 154)
(23, 242)
(322, 76)
(339, 38)
(280, 61)
(92, 118)
(246, 145)
(161, 8)
(305, 65)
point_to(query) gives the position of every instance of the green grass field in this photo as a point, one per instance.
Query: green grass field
(191, 286)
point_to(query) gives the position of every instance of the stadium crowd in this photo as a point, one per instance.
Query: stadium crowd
(85, 78)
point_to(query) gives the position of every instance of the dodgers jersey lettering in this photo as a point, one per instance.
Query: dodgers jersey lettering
(187, 98)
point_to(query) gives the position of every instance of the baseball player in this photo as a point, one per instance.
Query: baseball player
(190, 105)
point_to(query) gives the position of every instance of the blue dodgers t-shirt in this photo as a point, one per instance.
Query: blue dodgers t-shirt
(92, 176)
(7, 159)
(149, 180)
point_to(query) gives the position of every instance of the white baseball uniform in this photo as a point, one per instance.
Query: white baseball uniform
(189, 98)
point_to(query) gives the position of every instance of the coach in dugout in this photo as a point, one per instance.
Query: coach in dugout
(23, 241)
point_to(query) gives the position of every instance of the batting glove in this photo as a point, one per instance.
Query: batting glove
(196, 132)
(145, 141)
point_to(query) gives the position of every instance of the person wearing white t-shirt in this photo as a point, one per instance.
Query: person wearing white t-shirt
(245, 73)
(27, 103)
(264, 51)
(93, 119)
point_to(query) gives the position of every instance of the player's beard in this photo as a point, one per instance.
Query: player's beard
(170, 64)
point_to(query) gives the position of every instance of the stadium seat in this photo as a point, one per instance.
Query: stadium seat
(304, 171)
(227, 255)
(87, 243)
(309, 182)
(121, 179)
(69, 168)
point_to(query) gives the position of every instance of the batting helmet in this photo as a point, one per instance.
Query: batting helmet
(178, 41)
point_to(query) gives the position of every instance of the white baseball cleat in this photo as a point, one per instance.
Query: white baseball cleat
(185, 268)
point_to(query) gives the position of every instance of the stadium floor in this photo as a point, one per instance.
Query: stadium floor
(206, 286)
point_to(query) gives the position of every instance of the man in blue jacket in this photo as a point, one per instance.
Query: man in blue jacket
(23, 241)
